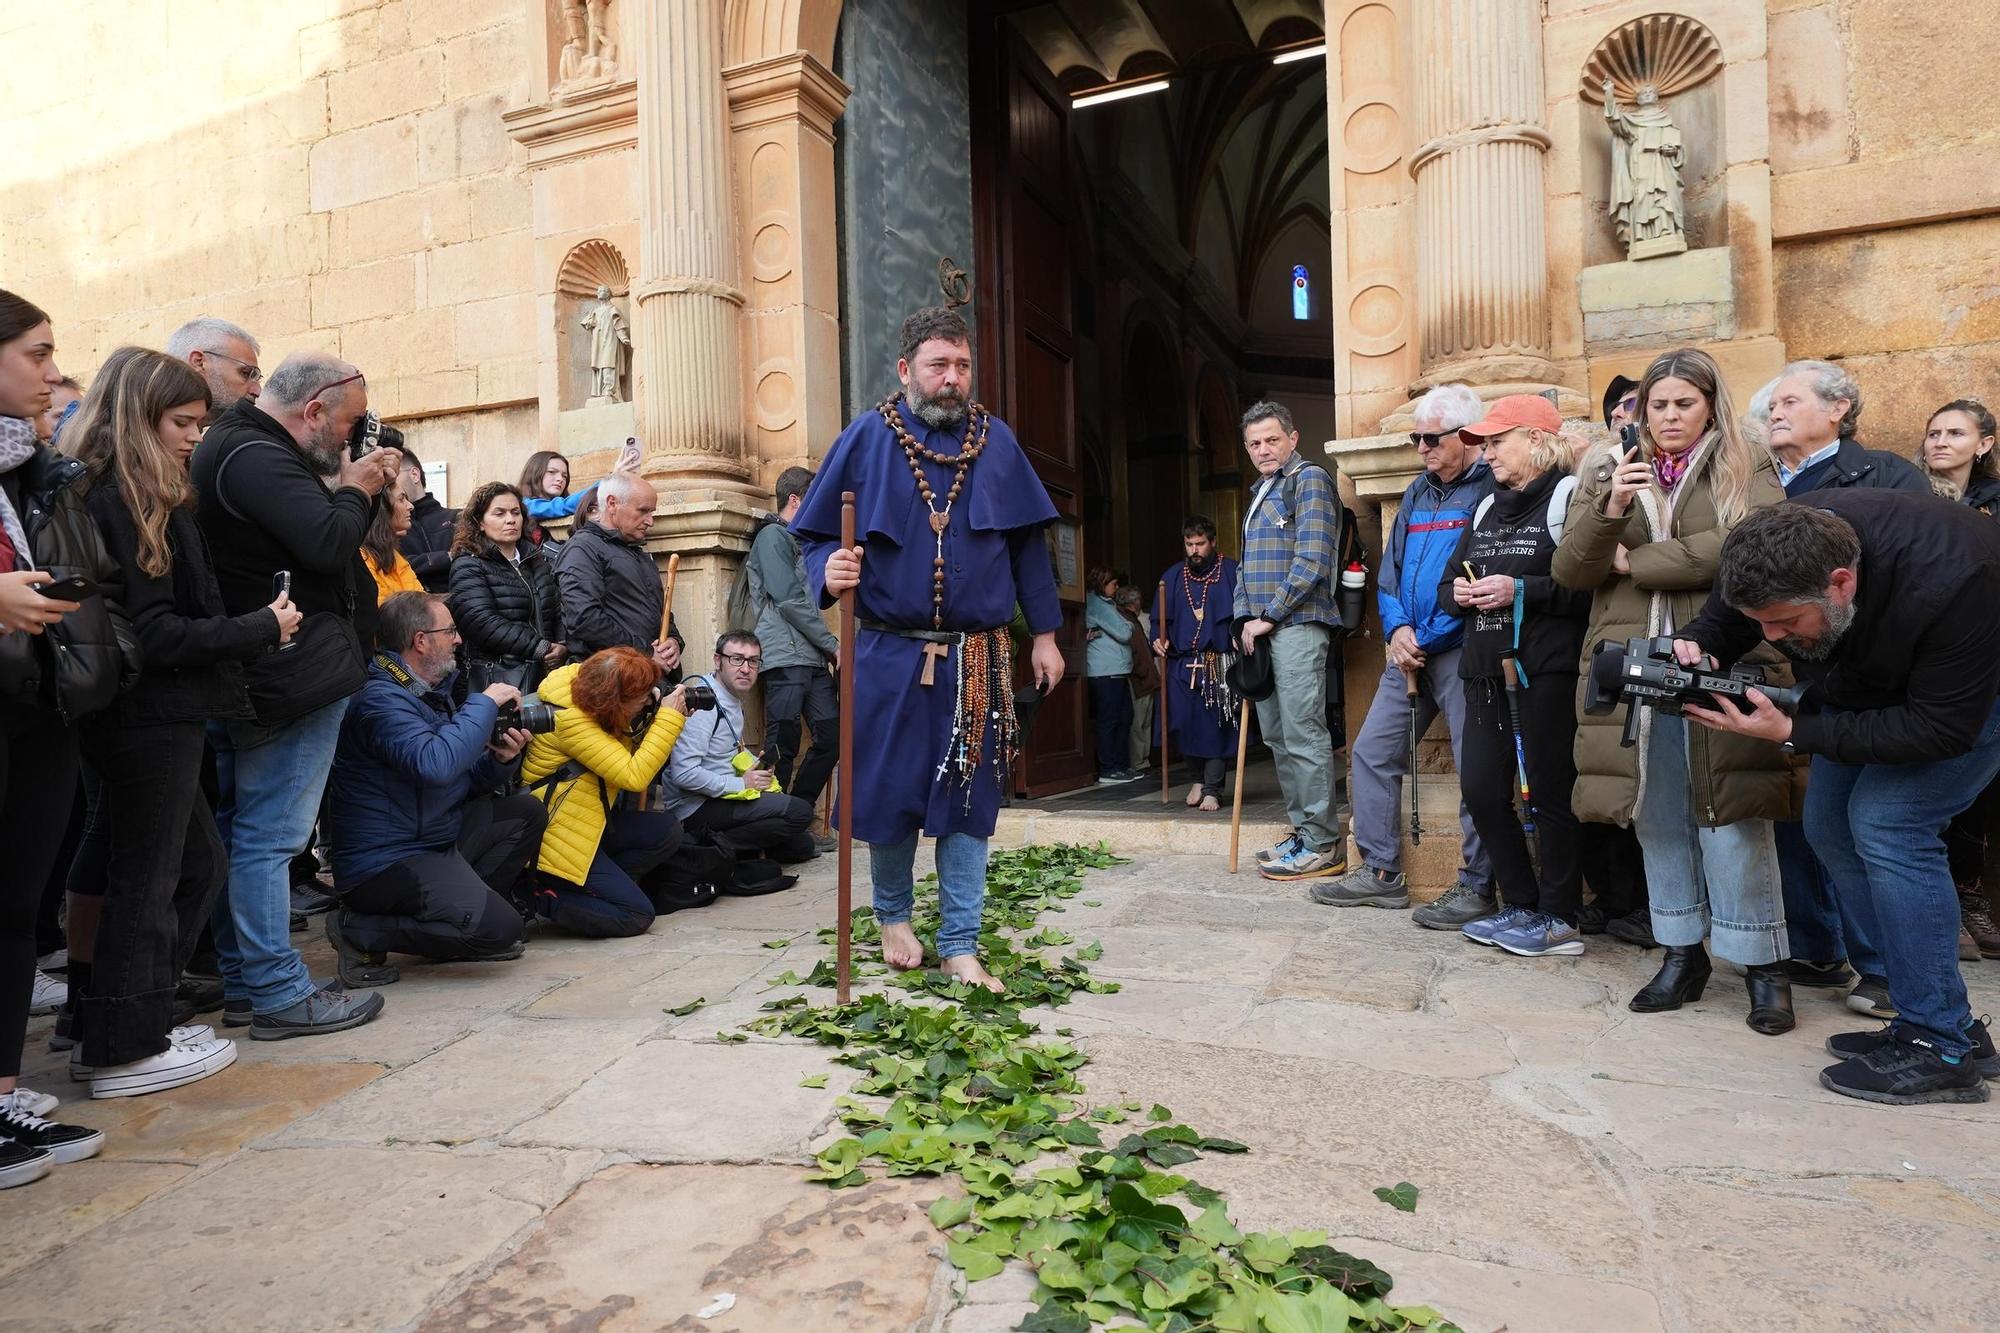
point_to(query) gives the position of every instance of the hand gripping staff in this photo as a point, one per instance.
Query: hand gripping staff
(1160, 633)
(844, 901)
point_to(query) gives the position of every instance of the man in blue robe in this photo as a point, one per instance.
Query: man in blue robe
(1196, 643)
(948, 518)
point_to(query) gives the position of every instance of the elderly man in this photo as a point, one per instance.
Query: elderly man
(281, 503)
(611, 595)
(1422, 641)
(1814, 408)
(223, 355)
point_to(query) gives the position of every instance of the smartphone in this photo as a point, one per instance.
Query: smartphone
(1628, 434)
(72, 589)
(281, 586)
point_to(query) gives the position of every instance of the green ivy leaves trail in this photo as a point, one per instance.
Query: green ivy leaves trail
(1088, 1196)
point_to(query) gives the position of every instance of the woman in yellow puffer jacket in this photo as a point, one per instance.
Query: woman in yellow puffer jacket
(606, 741)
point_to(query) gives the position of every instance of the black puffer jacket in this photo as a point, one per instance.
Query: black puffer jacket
(76, 668)
(508, 614)
(1983, 494)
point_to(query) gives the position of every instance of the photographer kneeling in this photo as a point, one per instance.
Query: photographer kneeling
(1890, 604)
(426, 848)
(716, 788)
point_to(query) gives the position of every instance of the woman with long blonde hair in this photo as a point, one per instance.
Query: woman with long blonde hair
(1644, 535)
(150, 864)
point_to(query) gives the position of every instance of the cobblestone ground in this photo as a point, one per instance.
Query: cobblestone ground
(540, 1145)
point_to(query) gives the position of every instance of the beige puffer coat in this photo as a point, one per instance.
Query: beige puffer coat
(1735, 777)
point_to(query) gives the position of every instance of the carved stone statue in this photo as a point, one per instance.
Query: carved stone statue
(1646, 161)
(589, 55)
(602, 49)
(575, 44)
(610, 343)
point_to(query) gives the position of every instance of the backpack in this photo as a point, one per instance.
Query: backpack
(1351, 549)
(738, 615)
(1557, 514)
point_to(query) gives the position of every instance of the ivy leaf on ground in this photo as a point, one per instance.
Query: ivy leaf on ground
(813, 1081)
(1403, 1198)
(776, 944)
(683, 1010)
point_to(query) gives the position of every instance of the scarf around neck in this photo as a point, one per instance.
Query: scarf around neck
(1670, 468)
(17, 445)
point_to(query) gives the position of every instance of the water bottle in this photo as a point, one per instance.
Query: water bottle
(1352, 601)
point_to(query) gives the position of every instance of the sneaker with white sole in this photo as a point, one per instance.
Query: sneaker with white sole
(1286, 845)
(191, 1034)
(1485, 928)
(35, 1103)
(1540, 935)
(328, 1009)
(63, 1143)
(50, 994)
(23, 1166)
(174, 1067)
(1305, 863)
(1460, 904)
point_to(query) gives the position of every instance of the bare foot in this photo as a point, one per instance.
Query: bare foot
(966, 968)
(901, 949)
(1210, 805)
(1194, 794)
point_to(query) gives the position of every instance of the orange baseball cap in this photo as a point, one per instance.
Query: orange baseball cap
(1513, 412)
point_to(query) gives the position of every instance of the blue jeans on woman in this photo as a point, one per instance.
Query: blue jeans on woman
(1880, 830)
(1718, 882)
(961, 866)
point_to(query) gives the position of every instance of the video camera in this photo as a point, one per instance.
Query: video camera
(1645, 671)
(537, 719)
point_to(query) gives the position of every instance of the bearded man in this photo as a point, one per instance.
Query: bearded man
(1195, 646)
(949, 517)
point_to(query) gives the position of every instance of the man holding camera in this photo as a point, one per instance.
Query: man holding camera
(1889, 602)
(715, 787)
(431, 839)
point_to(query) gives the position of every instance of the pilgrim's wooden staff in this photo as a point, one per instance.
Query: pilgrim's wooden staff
(1166, 762)
(844, 899)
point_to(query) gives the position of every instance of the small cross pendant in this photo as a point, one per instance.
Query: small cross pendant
(933, 654)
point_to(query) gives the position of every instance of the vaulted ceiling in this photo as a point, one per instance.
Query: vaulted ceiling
(1089, 43)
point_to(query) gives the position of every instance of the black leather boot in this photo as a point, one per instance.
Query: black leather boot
(1683, 975)
(1770, 999)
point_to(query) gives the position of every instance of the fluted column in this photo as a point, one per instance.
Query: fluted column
(1482, 255)
(688, 307)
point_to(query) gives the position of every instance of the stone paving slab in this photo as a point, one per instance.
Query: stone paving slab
(73, 1201)
(245, 1102)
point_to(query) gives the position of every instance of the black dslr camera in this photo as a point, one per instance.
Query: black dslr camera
(1645, 671)
(696, 694)
(538, 719)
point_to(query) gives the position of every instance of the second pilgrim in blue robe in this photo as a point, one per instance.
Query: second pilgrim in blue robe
(995, 556)
(1202, 725)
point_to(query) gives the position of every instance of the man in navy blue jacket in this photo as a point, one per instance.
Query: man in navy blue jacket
(426, 847)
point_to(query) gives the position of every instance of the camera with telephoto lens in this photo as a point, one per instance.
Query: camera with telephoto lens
(1646, 672)
(537, 719)
(697, 695)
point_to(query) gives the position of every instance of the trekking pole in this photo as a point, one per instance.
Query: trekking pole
(1236, 809)
(1160, 633)
(844, 901)
(1410, 688)
(1513, 675)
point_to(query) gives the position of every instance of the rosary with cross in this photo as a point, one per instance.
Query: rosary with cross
(976, 421)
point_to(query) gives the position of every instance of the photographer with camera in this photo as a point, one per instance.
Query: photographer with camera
(613, 732)
(431, 840)
(716, 787)
(1644, 537)
(1890, 604)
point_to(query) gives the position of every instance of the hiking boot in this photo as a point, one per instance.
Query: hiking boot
(328, 1009)
(1976, 919)
(1305, 863)
(236, 1013)
(49, 994)
(1462, 904)
(1485, 928)
(1906, 1071)
(1540, 934)
(1635, 928)
(1288, 844)
(1364, 886)
(358, 969)
(1870, 996)
(64, 1143)
(1853, 1045)
(1836, 975)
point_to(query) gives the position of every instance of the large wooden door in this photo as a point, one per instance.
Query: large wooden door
(1026, 352)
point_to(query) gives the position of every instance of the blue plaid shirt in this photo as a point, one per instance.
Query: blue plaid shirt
(1289, 541)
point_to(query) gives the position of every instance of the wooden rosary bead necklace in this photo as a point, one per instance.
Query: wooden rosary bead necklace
(976, 420)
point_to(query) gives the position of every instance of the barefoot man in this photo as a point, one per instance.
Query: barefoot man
(949, 516)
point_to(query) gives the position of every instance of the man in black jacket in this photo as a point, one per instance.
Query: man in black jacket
(264, 502)
(1890, 605)
(427, 545)
(611, 595)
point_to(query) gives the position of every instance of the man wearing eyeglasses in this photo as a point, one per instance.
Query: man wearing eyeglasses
(281, 502)
(224, 356)
(716, 786)
(1424, 639)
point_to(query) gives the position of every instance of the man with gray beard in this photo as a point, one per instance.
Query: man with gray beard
(224, 355)
(279, 500)
(1890, 603)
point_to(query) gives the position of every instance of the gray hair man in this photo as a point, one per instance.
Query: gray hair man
(1422, 640)
(1810, 423)
(611, 594)
(224, 355)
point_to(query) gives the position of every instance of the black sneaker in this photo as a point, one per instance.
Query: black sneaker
(236, 1013)
(1460, 906)
(1853, 1045)
(1836, 975)
(299, 923)
(1870, 996)
(202, 994)
(1590, 919)
(22, 1165)
(358, 969)
(1905, 1071)
(63, 1143)
(1635, 928)
(310, 898)
(328, 1009)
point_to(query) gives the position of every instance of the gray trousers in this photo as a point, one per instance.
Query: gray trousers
(1293, 721)
(1380, 757)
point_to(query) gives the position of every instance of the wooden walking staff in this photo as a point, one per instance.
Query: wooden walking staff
(1236, 809)
(667, 612)
(1160, 633)
(844, 901)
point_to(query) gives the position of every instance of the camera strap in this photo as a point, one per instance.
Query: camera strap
(1520, 605)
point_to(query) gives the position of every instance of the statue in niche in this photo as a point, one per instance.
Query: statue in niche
(1646, 161)
(589, 55)
(610, 342)
(575, 44)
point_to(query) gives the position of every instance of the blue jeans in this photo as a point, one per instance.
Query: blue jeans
(268, 799)
(961, 863)
(1880, 830)
(1816, 921)
(1719, 882)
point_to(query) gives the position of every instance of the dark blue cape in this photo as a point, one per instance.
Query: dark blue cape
(995, 556)
(1199, 732)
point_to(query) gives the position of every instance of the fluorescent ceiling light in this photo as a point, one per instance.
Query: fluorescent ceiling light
(1300, 53)
(1117, 94)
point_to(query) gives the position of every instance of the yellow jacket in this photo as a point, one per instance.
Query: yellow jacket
(577, 807)
(399, 577)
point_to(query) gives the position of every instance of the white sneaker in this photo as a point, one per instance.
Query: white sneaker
(35, 1103)
(50, 994)
(191, 1034)
(56, 960)
(174, 1067)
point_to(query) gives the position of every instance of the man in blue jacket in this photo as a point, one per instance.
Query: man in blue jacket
(426, 847)
(1423, 638)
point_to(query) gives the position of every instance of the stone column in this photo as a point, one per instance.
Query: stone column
(1482, 257)
(688, 307)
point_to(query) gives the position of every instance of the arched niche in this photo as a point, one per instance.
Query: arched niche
(587, 267)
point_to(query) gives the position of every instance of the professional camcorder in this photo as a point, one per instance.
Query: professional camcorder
(1645, 671)
(536, 718)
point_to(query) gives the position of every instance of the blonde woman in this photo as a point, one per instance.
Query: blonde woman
(1644, 536)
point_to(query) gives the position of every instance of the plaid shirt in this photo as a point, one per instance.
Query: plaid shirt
(1287, 576)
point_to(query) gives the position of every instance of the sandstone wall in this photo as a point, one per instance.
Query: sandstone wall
(328, 173)
(1885, 153)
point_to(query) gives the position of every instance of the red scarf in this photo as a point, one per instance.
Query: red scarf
(1670, 468)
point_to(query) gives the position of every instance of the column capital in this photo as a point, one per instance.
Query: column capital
(795, 86)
